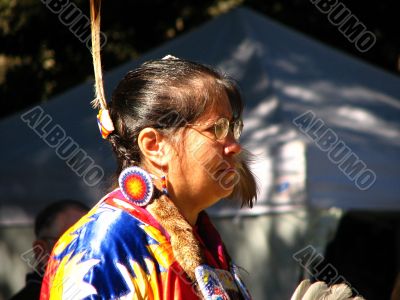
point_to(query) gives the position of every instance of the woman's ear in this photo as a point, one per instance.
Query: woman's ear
(154, 146)
(149, 141)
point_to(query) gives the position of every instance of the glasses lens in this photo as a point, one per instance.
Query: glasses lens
(237, 129)
(221, 128)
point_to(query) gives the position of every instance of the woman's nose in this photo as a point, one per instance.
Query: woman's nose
(232, 146)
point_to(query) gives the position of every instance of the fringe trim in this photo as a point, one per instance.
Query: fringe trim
(186, 248)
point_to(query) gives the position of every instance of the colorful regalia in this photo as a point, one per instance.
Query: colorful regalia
(119, 251)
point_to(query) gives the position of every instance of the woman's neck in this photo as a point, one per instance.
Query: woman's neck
(185, 208)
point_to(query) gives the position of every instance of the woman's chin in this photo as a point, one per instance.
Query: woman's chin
(224, 191)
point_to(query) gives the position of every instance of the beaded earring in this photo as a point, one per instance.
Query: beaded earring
(164, 184)
(163, 176)
(136, 185)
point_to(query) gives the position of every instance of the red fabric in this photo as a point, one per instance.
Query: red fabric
(209, 238)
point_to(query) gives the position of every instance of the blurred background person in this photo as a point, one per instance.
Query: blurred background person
(50, 224)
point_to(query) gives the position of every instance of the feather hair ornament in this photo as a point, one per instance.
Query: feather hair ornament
(103, 118)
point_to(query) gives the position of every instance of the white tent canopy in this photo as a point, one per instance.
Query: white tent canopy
(282, 75)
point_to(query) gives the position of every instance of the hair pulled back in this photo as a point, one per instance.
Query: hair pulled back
(164, 94)
(167, 94)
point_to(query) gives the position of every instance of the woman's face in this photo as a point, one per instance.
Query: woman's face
(204, 171)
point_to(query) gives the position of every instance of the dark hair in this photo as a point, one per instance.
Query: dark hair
(46, 217)
(163, 94)
(166, 94)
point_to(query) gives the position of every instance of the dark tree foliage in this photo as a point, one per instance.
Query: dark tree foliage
(41, 57)
(379, 17)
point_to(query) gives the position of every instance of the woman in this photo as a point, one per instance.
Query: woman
(174, 127)
(180, 122)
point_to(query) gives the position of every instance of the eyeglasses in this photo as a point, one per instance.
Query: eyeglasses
(222, 127)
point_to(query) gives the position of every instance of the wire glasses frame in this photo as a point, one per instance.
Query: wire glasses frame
(222, 127)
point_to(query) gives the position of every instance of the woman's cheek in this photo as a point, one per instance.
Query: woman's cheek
(198, 150)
